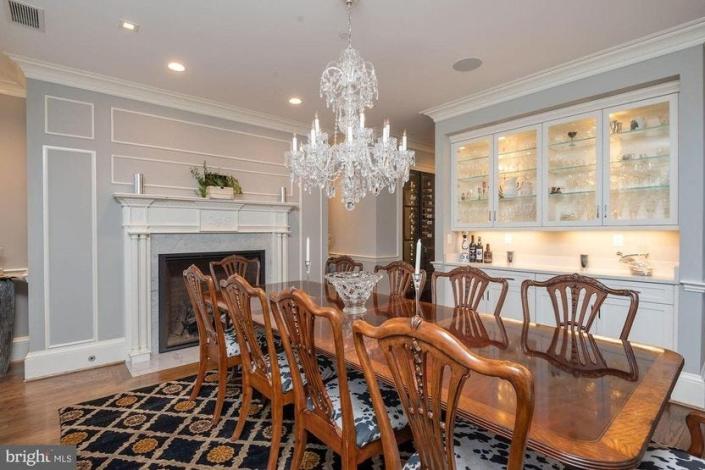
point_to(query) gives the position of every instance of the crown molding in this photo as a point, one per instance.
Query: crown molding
(68, 76)
(661, 43)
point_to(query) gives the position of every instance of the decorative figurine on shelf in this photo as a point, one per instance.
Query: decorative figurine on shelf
(215, 185)
(464, 256)
(572, 135)
(638, 263)
(633, 125)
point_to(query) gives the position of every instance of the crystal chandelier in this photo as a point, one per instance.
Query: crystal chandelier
(363, 163)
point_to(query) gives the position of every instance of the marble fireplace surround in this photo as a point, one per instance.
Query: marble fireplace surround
(154, 225)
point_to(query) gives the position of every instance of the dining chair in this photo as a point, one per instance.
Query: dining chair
(661, 457)
(217, 346)
(338, 412)
(400, 275)
(271, 378)
(576, 301)
(234, 264)
(469, 285)
(421, 357)
(342, 264)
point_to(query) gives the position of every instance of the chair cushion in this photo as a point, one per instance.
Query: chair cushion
(477, 448)
(325, 365)
(667, 458)
(232, 348)
(366, 429)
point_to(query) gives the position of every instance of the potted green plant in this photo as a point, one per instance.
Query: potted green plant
(215, 185)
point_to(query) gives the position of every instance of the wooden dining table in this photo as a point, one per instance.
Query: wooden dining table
(597, 400)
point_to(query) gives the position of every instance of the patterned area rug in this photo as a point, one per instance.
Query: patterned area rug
(158, 427)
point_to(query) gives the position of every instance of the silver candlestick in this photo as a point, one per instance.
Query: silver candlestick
(307, 263)
(417, 291)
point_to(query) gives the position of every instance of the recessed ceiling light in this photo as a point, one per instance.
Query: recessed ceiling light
(295, 100)
(176, 66)
(467, 64)
(129, 26)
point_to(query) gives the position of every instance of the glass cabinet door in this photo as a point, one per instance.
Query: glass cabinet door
(472, 179)
(640, 166)
(572, 177)
(517, 177)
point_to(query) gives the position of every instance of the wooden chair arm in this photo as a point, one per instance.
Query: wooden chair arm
(694, 420)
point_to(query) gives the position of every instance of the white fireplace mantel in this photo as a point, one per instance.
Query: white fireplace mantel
(147, 214)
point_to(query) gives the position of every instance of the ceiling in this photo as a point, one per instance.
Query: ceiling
(258, 53)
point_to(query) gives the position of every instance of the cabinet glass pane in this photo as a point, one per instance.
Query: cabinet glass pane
(516, 177)
(639, 164)
(572, 171)
(472, 177)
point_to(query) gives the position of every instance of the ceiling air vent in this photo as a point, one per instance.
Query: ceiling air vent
(26, 15)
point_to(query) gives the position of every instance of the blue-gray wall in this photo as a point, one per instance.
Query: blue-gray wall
(150, 139)
(687, 66)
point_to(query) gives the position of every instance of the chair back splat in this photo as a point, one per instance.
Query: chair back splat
(400, 276)
(469, 285)
(577, 300)
(234, 264)
(429, 367)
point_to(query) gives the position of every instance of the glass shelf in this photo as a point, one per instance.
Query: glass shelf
(470, 159)
(657, 187)
(576, 143)
(642, 132)
(659, 159)
(513, 198)
(526, 151)
(527, 170)
(589, 167)
(472, 201)
(572, 193)
(471, 178)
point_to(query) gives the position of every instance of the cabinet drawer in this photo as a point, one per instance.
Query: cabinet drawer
(648, 291)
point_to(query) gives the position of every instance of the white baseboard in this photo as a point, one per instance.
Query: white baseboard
(20, 347)
(690, 390)
(62, 360)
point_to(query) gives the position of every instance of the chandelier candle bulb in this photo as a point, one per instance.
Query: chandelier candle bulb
(293, 143)
(349, 136)
(362, 120)
(317, 124)
(403, 140)
(385, 132)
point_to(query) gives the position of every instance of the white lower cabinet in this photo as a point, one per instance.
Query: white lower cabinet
(654, 323)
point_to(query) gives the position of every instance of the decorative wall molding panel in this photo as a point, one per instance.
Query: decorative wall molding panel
(144, 215)
(655, 45)
(62, 117)
(690, 390)
(69, 184)
(20, 347)
(68, 76)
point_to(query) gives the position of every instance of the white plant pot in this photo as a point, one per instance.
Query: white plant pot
(215, 192)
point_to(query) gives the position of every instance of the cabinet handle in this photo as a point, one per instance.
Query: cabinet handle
(598, 211)
(489, 216)
(604, 211)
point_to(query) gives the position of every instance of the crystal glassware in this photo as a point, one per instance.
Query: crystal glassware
(354, 288)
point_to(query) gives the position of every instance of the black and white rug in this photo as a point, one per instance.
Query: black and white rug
(158, 427)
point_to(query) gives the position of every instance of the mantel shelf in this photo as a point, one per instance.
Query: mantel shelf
(142, 200)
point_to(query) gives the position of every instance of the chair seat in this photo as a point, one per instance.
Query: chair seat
(232, 347)
(477, 448)
(324, 364)
(366, 429)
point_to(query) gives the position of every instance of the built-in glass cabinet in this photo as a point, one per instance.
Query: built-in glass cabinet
(609, 165)
(571, 193)
(472, 175)
(517, 177)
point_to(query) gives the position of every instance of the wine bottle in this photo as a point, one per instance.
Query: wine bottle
(471, 249)
(488, 254)
(479, 254)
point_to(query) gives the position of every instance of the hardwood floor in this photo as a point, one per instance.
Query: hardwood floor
(28, 410)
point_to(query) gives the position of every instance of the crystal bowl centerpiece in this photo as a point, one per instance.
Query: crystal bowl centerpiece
(354, 288)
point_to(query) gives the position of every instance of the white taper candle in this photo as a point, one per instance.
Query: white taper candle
(418, 257)
(308, 250)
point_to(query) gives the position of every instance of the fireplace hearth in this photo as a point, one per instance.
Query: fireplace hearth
(177, 321)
